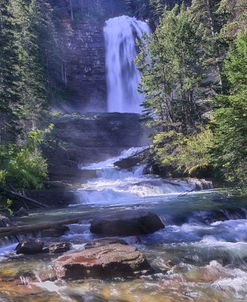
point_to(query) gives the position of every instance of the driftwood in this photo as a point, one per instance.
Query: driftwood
(25, 229)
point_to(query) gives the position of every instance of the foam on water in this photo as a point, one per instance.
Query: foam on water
(114, 186)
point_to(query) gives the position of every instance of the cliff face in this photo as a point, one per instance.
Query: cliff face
(81, 41)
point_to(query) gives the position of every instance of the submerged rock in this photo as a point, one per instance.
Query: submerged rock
(127, 223)
(30, 247)
(103, 262)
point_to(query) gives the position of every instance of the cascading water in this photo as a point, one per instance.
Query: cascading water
(122, 75)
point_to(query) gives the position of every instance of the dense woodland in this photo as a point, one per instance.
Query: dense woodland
(193, 77)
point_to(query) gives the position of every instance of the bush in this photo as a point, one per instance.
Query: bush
(187, 154)
(23, 166)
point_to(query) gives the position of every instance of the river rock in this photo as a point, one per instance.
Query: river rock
(57, 247)
(103, 262)
(30, 247)
(127, 223)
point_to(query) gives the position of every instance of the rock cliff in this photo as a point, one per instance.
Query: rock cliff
(80, 39)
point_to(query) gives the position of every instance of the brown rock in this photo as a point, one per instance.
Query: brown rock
(30, 247)
(109, 261)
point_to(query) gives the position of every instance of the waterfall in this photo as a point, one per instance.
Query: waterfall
(122, 75)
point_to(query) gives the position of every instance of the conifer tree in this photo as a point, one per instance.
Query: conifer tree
(31, 29)
(9, 96)
(230, 150)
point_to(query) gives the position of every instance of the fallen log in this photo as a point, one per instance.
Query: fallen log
(25, 229)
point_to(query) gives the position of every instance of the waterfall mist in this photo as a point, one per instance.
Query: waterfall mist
(122, 75)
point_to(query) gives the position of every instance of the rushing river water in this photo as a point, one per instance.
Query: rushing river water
(200, 255)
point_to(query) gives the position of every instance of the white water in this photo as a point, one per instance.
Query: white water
(114, 186)
(122, 75)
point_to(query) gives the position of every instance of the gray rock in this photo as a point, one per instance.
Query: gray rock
(127, 223)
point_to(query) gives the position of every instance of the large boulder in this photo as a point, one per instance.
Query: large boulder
(127, 223)
(103, 262)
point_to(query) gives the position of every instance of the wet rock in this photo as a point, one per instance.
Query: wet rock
(21, 212)
(55, 232)
(30, 247)
(57, 247)
(127, 223)
(134, 160)
(104, 242)
(108, 261)
(200, 184)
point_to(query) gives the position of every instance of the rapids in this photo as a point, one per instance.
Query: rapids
(200, 256)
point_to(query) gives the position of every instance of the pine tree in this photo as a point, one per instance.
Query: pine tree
(9, 96)
(236, 11)
(230, 150)
(31, 22)
(172, 71)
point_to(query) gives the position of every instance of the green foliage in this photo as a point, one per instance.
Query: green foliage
(27, 56)
(173, 70)
(187, 154)
(24, 166)
(236, 11)
(5, 206)
(230, 152)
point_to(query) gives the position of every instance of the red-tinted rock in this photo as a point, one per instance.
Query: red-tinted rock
(108, 261)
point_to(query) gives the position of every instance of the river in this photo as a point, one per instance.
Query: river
(199, 256)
